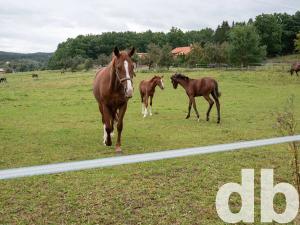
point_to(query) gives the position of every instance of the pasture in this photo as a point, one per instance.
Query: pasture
(55, 118)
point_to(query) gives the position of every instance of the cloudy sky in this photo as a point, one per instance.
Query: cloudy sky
(39, 25)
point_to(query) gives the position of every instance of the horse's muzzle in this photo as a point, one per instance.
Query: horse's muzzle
(129, 93)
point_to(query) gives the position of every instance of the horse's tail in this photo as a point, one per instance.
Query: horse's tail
(216, 90)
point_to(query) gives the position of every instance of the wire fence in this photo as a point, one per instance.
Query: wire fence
(270, 66)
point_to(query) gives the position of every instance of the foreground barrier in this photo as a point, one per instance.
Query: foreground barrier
(146, 157)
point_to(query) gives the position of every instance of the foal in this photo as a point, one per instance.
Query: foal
(147, 89)
(199, 87)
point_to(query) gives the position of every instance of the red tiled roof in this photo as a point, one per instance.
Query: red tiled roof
(181, 50)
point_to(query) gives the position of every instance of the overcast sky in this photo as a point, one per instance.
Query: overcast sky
(39, 25)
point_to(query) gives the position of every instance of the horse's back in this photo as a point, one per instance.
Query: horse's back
(208, 81)
(204, 85)
(295, 65)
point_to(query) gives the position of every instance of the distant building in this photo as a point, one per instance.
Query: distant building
(142, 55)
(181, 50)
(2, 71)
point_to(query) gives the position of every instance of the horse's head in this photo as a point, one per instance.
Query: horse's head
(159, 81)
(177, 77)
(174, 81)
(124, 69)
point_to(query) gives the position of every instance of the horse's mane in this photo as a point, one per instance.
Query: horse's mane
(153, 78)
(180, 76)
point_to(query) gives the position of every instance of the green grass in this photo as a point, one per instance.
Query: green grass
(56, 119)
(285, 59)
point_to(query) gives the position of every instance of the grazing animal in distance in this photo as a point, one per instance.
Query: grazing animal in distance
(205, 87)
(113, 87)
(3, 79)
(295, 68)
(147, 89)
(34, 75)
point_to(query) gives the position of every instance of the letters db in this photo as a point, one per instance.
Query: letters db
(246, 191)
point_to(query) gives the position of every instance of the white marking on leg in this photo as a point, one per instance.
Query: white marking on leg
(104, 134)
(129, 84)
(150, 110)
(145, 112)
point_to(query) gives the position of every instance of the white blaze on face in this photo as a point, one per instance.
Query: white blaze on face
(129, 85)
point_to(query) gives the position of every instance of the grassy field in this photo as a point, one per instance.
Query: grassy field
(285, 59)
(56, 119)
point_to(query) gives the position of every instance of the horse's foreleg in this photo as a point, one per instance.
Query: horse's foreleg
(107, 125)
(103, 122)
(146, 97)
(195, 107)
(143, 105)
(122, 111)
(211, 103)
(150, 110)
(189, 108)
(115, 118)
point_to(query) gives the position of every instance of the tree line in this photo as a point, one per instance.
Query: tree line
(239, 43)
(20, 62)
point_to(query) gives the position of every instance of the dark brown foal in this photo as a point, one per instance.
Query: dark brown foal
(147, 89)
(205, 87)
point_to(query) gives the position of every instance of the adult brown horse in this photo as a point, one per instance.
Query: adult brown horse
(112, 89)
(147, 89)
(199, 87)
(295, 68)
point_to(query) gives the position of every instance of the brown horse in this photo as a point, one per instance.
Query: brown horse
(199, 87)
(295, 68)
(112, 89)
(147, 89)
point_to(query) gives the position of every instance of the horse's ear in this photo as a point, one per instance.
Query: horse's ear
(162, 76)
(131, 52)
(117, 52)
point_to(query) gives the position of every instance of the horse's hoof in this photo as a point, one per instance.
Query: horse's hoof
(108, 143)
(207, 119)
(187, 117)
(118, 149)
